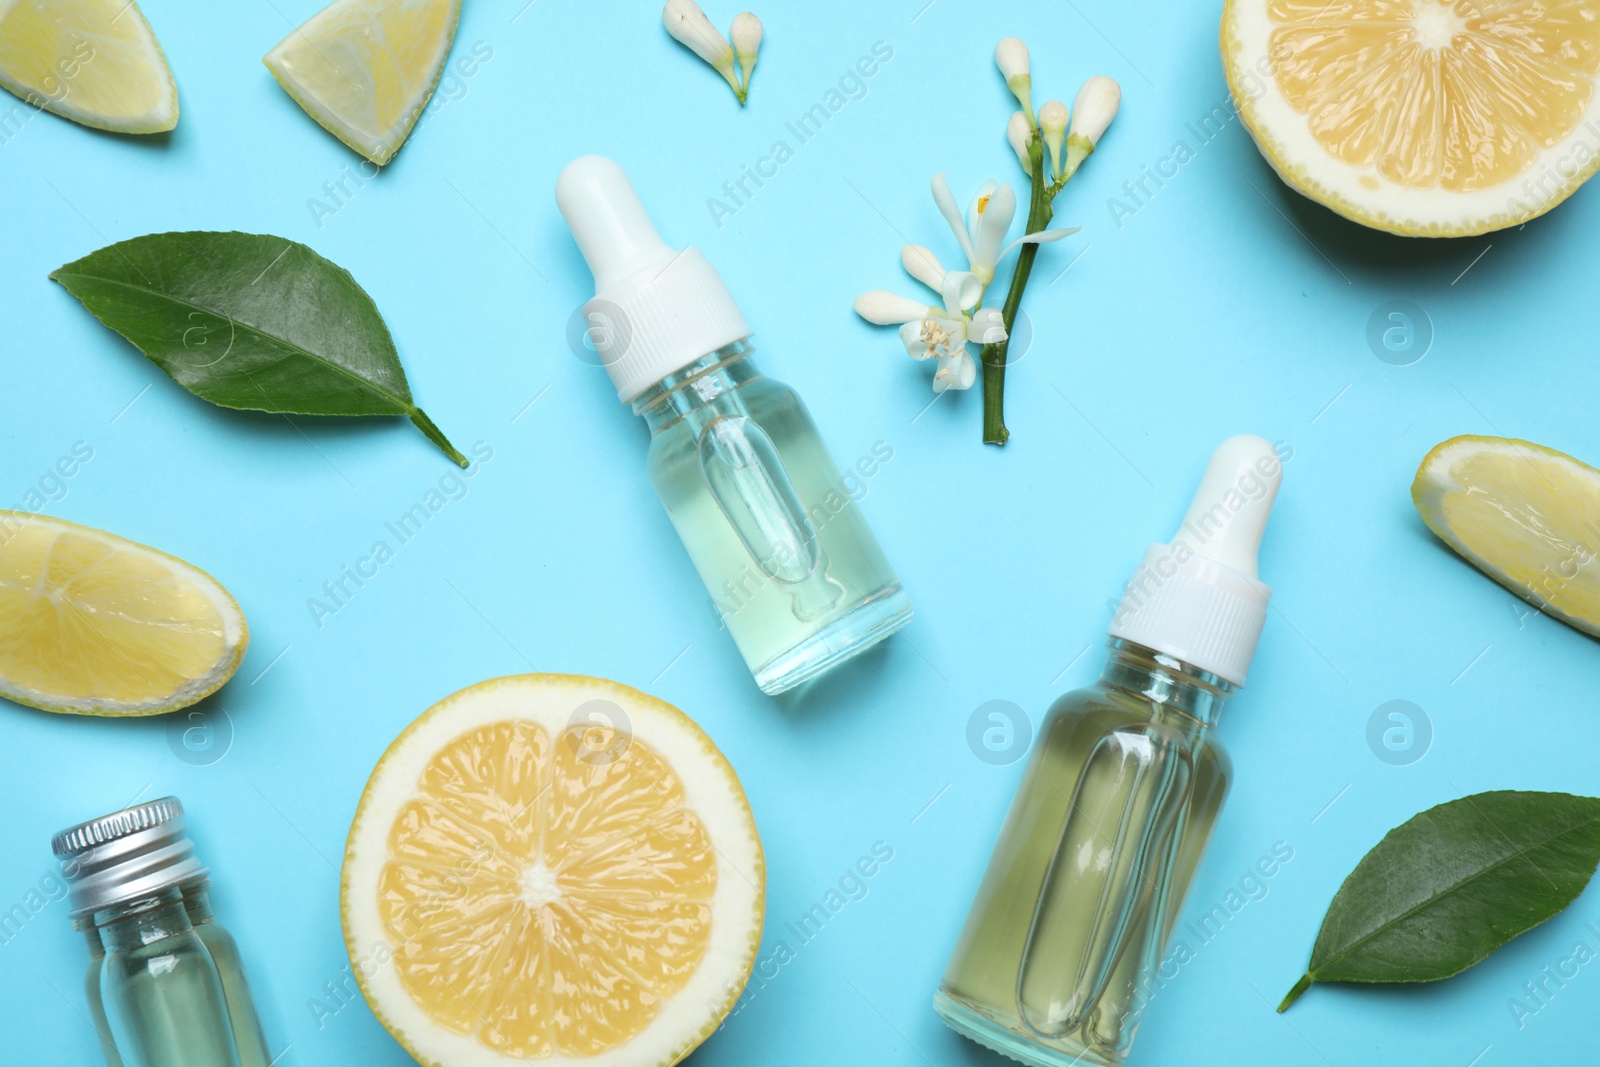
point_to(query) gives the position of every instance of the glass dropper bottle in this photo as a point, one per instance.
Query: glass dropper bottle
(775, 529)
(1063, 946)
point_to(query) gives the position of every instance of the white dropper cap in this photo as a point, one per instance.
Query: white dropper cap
(654, 310)
(1198, 598)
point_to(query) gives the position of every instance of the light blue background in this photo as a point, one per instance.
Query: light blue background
(1224, 304)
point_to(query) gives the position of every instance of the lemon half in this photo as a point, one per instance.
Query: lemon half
(1525, 515)
(552, 868)
(1421, 117)
(92, 61)
(94, 624)
(365, 69)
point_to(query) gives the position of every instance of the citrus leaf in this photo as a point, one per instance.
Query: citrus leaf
(1446, 888)
(252, 322)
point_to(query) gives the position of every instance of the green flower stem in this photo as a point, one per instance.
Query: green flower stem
(993, 356)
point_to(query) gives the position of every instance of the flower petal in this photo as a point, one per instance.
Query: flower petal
(888, 309)
(961, 289)
(924, 266)
(911, 337)
(993, 223)
(956, 371)
(1040, 238)
(951, 213)
(988, 327)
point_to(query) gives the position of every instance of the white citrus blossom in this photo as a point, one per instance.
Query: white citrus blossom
(746, 35)
(689, 26)
(1092, 112)
(944, 336)
(1053, 125)
(937, 331)
(943, 331)
(934, 331)
(1011, 56)
(1017, 132)
(993, 208)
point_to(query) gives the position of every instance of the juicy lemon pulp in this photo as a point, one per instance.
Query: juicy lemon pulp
(1528, 515)
(365, 69)
(547, 895)
(1457, 94)
(92, 61)
(92, 623)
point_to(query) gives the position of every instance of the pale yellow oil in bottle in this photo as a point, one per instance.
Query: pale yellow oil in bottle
(1059, 953)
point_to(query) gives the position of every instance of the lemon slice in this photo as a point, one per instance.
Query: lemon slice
(552, 868)
(94, 624)
(91, 61)
(365, 69)
(1525, 515)
(1421, 117)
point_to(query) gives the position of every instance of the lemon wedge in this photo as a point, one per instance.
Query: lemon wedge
(1421, 117)
(365, 69)
(94, 624)
(552, 868)
(1525, 515)
(92, 61)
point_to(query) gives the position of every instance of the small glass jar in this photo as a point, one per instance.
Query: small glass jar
(164, 986)
(163, 996)
(773, 527)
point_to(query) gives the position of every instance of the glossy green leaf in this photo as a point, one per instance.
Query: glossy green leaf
(1451, 885)
(250, 321)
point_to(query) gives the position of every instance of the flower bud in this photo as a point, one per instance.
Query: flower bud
(1017, 132)
(689, 26)
(924, 266)
(1053, 124)
(746, 43)
(1011, 56)
(1092, 112)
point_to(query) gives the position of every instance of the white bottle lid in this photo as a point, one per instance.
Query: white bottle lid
(655, 310)
(1198, 598)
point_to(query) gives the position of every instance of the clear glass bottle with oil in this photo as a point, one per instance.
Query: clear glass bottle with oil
(91, 989)
(165, 985)
(774, 529)
(1059, 954)
(224, 950)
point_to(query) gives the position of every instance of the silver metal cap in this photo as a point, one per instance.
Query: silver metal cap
(128, 854)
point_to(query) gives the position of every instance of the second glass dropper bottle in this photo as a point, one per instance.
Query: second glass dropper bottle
(1061, 950)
